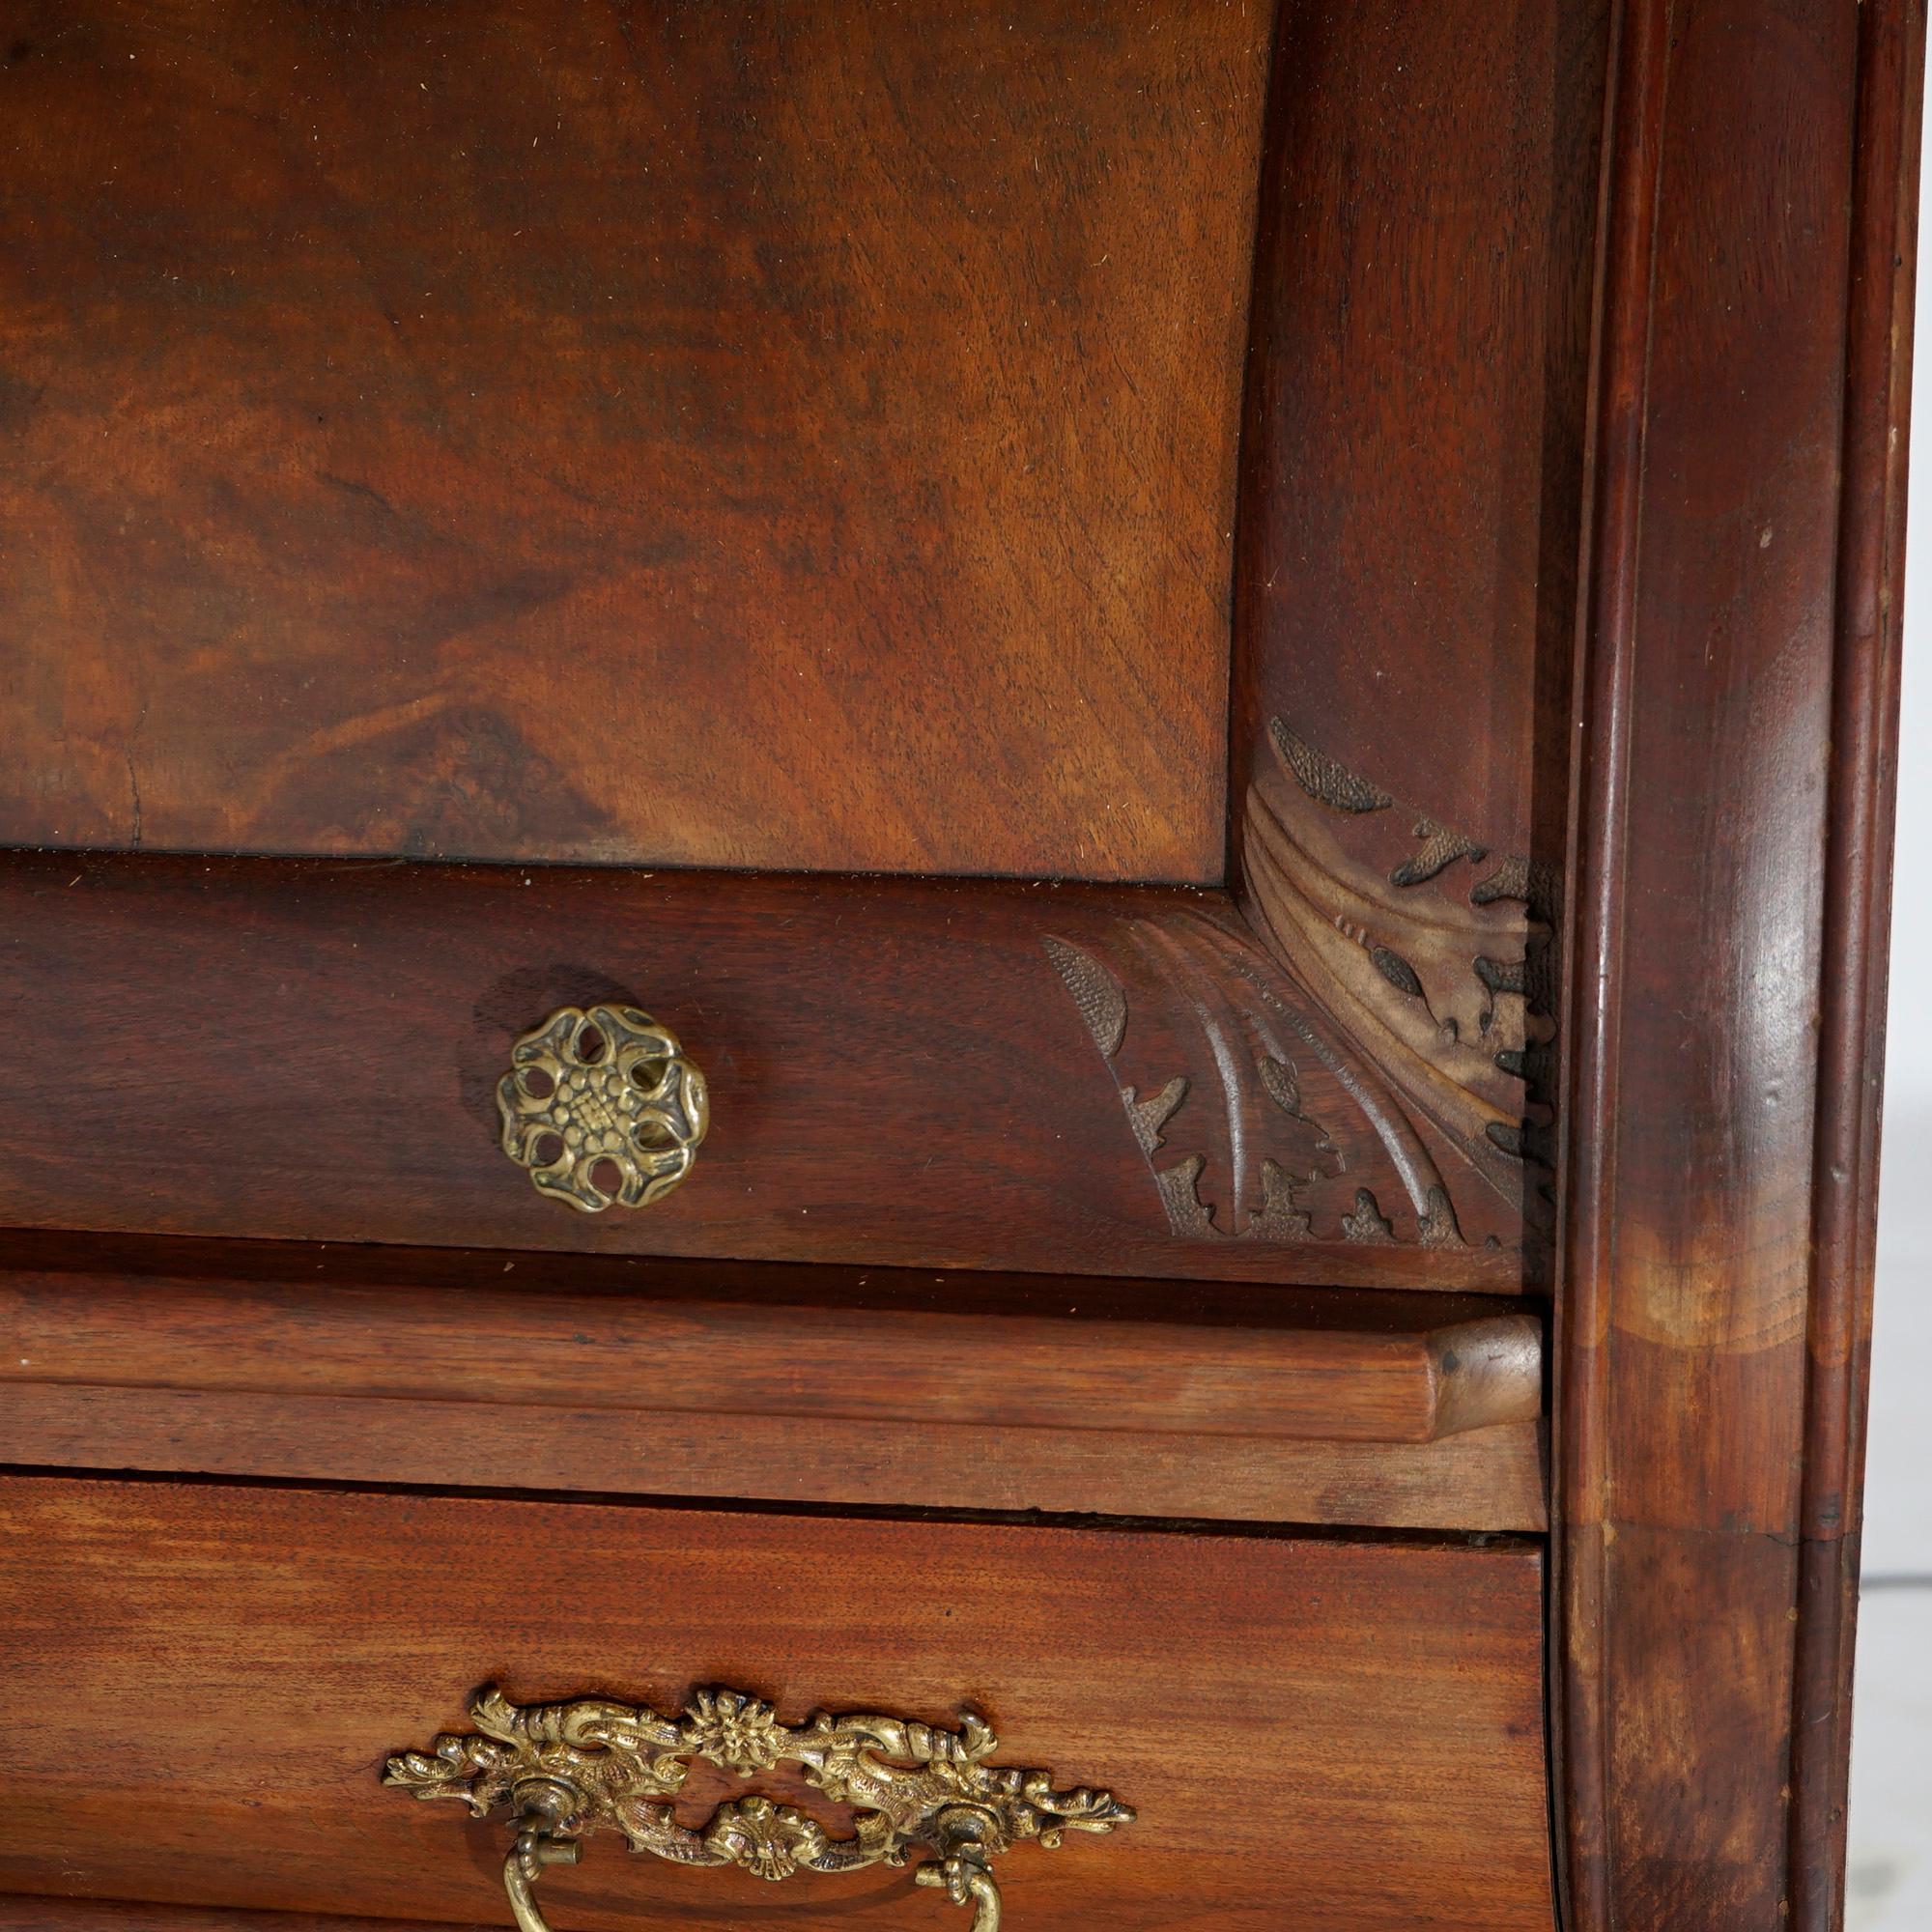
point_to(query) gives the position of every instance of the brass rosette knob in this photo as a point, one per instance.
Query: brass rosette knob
(602, 1106)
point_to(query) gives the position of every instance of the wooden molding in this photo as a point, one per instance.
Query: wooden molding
(701, 1379)
(1726, 955)
(1365, 1054)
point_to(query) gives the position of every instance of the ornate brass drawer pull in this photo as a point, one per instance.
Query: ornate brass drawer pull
(567, 1769)
(603, 1106)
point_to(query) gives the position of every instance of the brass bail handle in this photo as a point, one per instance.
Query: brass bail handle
(546, 1808)
(563, 1771)
(963, 1875)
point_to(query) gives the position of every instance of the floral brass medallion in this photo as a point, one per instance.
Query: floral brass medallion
(565, 1771)
(602, 1106)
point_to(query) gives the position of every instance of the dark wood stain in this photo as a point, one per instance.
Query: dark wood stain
(857, 489)
(1734, 758)
(310, 1051)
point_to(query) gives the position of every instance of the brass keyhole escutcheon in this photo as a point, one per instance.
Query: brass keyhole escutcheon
(601, 1106)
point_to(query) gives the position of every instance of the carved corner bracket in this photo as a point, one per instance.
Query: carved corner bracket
(1366, 1055)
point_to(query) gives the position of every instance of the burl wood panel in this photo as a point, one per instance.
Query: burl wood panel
(783, 1384)
(761, 435)
(207, 1680)
(899, 1075)
(1728, 969)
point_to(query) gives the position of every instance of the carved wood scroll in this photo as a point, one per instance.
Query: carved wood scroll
(1366, 1060)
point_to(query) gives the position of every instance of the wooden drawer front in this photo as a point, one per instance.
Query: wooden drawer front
(205, 1682)
(21, 1912)
(898, 1073)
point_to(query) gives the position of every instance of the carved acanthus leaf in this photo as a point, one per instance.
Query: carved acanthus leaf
(1272, 1131)
(1365, 1061)
(1431, 954)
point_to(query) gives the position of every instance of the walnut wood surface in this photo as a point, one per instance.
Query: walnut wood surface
(1736, 747)
(1408, 1411)
(310, 1051)
(1410, 487)
(207, 1679)
(19, 1913)
(761, 436)
(1412, 462)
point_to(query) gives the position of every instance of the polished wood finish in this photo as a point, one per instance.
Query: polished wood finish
(19, 1913)
(1487, 1480)
(1411, 461)
(898, 1073)
(1406, 576)
(208, 1680)
(1413, 1412)
(1547, 956)
(1727, 965)
(795, 436)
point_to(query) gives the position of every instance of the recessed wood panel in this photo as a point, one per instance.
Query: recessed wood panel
(760, 435)
(206, 1682)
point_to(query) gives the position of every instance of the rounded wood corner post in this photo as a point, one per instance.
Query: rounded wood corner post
(1724, 960)
(1858, 911)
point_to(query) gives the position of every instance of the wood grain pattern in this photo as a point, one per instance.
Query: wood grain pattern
(22, 1914)
(779, 1384)
(761, 436)
(1404, 592)
(1485, 1480)
(1413, 460)
(1733, 759)
(1265, 1703)
(310, 1051)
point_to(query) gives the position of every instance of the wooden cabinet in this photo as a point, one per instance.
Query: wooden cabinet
(1190, 704)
